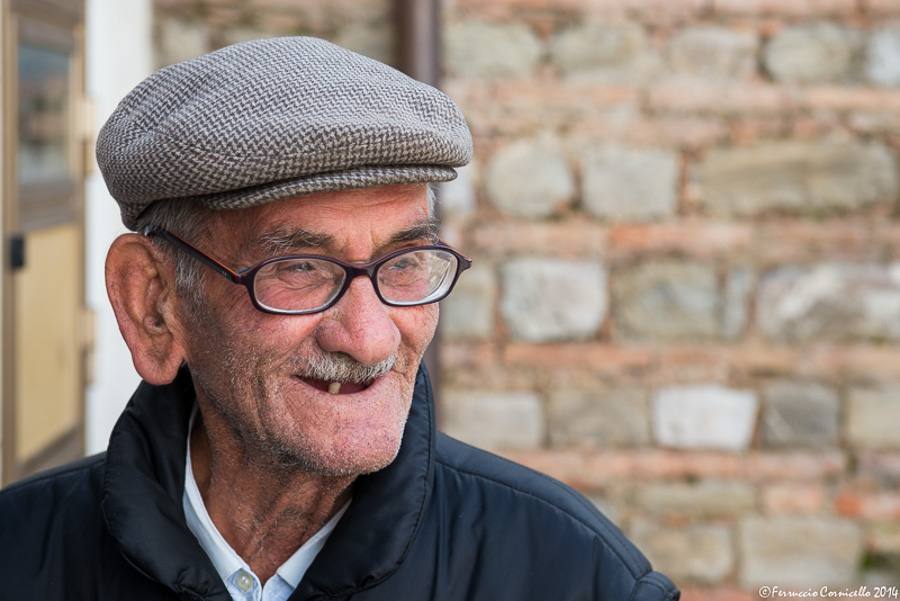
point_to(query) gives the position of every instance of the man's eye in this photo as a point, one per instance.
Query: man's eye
(402, 264)
(302, 273)
(301, 266)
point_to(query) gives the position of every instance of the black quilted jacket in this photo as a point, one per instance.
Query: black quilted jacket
(443, 522)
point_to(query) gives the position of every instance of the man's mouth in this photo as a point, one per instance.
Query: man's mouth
(337, 387)
(338, 373)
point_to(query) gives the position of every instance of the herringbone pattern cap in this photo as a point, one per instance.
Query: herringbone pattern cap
(272, 119)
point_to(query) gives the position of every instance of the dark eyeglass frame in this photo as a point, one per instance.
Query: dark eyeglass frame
(353, 270)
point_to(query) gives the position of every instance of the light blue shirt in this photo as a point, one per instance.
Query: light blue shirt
(239, 579)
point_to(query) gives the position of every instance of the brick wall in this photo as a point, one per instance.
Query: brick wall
(686, 292)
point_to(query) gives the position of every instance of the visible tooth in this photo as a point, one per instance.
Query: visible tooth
(334, 387)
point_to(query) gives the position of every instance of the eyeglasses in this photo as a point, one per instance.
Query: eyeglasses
(304, 284)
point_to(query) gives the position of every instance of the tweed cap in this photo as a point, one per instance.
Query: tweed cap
(276, 118)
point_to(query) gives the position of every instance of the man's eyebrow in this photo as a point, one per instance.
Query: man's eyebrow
(426, 230)
(283, 241)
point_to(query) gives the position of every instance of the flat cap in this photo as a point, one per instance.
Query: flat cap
(276, 118)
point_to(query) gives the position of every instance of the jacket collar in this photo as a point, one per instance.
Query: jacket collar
(144, 484)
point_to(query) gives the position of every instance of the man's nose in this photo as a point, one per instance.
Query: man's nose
(360, 325)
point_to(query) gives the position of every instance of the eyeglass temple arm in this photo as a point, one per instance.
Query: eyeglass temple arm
(192, 251)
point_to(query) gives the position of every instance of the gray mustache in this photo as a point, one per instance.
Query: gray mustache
(341, 367)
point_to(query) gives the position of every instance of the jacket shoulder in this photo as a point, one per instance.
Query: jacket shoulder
(55, 482)
(64, 500)
(559, 523)
(528, 485)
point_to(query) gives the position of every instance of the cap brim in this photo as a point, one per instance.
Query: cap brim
(353, 179)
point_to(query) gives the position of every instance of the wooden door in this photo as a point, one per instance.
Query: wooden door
(45, 331)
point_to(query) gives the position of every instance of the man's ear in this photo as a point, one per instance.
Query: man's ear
(141, 288)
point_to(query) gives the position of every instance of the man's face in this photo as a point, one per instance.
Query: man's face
(252, 369)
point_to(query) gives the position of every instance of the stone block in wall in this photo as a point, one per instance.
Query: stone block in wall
(529, 179)
(238, 35)
(800, 414)
(883, 57)
(493, 420)
(702, 553)
(553, 299)
(797, 177)
(488, 50)
(830, 302)
(738, 291)
(873, 417)
(630, 184)
(716, 53)
(704, 417)
(883, 538)
(815, 53)
(179, 40)
(700, 499)
(468, 313)
(374, 39)
(603, 418)
(456, 198)
(604, 51)
(667, 300)
(799, 551)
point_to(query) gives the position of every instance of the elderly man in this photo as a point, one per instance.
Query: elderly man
(277, 298)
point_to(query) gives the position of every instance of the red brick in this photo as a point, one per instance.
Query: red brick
(840, 98)
(519, 4)
(660, 365)
(572, 468)
(591, 469)
(686, 132)
(719, 593)
(568, 239)
(851, 361)
(790, 497)
(879, 465)
(582, 95)
(869, 505)
(711, 362)
(655, 364)
(514, 108)
(468, 356)
(722, 99)
(881, 7)
(675, 465)
(750, 131)
(580, 356)
(655, 10)
(795, 466)
(846, 239)
(793, 8)
(701, 239)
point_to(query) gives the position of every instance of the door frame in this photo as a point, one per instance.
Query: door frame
(37, 20)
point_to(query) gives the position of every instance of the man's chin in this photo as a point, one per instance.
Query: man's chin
(353, 458)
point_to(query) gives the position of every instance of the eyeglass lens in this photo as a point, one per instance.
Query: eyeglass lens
(305, 284)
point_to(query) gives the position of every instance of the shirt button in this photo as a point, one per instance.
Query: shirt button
(244, 581)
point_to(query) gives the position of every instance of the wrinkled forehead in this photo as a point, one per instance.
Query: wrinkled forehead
(333, 222)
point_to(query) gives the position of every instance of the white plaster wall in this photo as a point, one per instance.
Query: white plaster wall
(119, 55)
